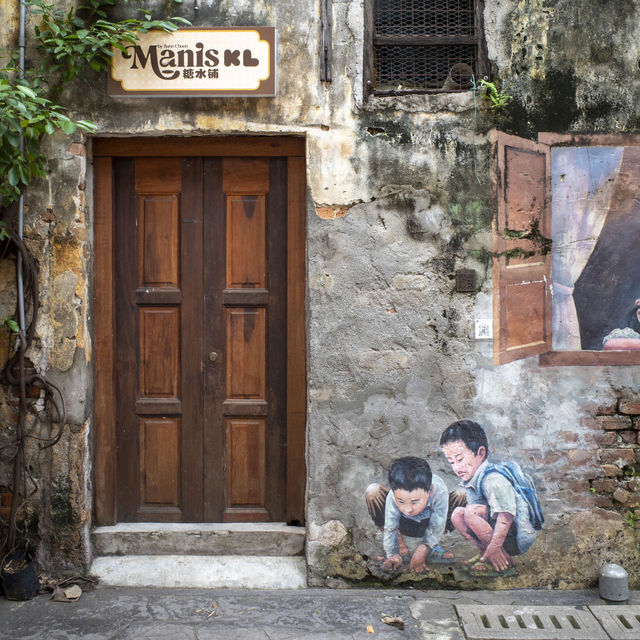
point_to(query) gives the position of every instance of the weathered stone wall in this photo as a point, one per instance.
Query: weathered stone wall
(399, 199)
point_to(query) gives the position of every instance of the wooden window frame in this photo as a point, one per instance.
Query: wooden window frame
(504, 348)
(371, 40)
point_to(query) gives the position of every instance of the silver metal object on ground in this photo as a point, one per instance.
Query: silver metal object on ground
(614, 583)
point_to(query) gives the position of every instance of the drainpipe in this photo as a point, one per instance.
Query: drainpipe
(20, 283)
(19, 461)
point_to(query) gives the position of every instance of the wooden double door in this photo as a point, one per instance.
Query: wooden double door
(202, 279)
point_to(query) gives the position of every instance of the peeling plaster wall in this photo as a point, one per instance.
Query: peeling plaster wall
(399, 198)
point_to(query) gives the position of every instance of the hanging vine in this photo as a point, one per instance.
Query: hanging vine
(71, 44)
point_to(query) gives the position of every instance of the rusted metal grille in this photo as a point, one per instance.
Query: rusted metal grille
(424, 17)
(419, 67)
(417, 44)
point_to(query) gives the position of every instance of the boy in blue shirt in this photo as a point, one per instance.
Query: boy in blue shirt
(416, 506)
(502, 511)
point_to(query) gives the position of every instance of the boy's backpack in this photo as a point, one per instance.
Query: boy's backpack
(522, 484)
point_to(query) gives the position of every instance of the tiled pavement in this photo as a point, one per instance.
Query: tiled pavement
(116, 613)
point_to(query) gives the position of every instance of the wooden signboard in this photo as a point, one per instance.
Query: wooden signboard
(212, 62)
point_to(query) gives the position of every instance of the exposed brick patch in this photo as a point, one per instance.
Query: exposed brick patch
(78, 149)
(631, 407)
(630, 437)
(607, 410)
(332, 212)
(611, 470)
(617, 482)
(620, 457)
(604, 485)
(607, 438)
(621, 496)
(568, 436)
(578, 457)
(616, 422)
(580, 486)
(48, 215)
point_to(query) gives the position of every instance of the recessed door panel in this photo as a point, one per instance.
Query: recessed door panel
(159, 242)
(246, 352)
(160, 462)
(246, 250)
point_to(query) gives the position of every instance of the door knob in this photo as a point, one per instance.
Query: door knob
(213, 356)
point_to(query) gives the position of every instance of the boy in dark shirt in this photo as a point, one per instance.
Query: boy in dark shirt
(416, 506)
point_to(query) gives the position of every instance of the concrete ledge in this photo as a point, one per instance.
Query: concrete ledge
(203, 572)
(153, 538)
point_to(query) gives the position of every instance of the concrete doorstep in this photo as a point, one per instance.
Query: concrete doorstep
(206, 556)
(204, 572)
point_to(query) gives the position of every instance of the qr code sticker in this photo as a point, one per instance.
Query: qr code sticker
(484, 329)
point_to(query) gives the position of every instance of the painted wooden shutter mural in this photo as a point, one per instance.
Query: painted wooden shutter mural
(521, 265)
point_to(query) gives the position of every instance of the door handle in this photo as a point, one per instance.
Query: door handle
(213, 356)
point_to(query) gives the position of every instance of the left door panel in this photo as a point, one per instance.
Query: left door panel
(158, 295)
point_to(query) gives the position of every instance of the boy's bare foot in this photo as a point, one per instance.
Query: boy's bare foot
(418, 559)
(480, 567)
(392, 562)
(438, 554)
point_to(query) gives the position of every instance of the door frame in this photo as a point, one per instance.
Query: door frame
(103, 151)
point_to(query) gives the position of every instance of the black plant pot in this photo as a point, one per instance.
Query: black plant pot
(19, 577)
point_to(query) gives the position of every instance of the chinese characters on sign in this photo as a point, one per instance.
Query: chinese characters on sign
(224, 61)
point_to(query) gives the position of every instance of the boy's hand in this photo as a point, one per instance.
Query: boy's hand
(419, 558)
(392, 562)
(497, 556)
(495, 553)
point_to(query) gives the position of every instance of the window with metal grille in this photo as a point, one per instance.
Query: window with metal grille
(419, 46)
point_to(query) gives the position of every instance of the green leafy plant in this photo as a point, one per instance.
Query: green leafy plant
(71, 43)
(72, 40)
(11, 324)
(25, 117)
(497, 98)
(632, 519)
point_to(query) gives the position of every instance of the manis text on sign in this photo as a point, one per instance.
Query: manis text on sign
(211, 62)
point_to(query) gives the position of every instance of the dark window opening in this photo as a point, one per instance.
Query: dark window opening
(418, 46)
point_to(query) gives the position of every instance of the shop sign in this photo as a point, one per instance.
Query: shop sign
(212, 62)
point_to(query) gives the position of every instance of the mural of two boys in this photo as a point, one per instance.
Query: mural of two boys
(497, 510)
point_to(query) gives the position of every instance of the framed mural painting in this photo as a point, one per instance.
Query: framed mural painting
(565, 256)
